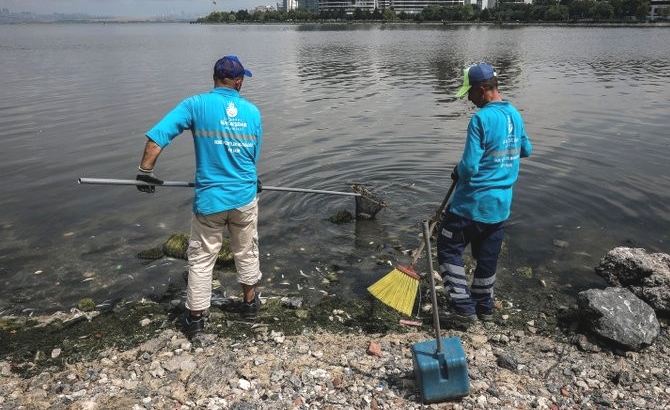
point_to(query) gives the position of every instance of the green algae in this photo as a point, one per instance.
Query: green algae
(28, 348)
(86, 305)
(176, 246)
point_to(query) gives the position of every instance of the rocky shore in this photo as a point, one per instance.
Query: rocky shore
(512, 364)
(606, 350)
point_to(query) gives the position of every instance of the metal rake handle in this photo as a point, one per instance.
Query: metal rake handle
(433, 223)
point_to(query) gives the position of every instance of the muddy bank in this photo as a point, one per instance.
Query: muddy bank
(335, 355)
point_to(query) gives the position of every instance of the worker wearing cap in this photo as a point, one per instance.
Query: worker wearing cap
(496, 141)
(227, 137)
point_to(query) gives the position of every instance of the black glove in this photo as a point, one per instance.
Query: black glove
(147, 177)
(259, 185)
(454, 174)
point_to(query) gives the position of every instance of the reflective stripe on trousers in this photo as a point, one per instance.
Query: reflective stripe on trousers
(455, 233)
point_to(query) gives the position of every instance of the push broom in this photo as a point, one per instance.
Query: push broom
(399, 287)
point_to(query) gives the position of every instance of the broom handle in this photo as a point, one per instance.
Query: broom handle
(433, 295)
(106, 181)
(417, 252)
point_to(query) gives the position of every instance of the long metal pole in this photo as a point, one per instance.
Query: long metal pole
(107, 181)
(433, 295)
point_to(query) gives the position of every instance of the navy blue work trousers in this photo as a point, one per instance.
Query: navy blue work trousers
(455, 233)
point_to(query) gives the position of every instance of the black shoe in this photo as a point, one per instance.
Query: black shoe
(249, 309)
(193, 327)
(452, 318)
(485, 315)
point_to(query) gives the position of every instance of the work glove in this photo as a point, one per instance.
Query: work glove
(454, 174)
(259, 186)
(147, 176)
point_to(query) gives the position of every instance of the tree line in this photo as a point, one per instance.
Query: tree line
(504, 11)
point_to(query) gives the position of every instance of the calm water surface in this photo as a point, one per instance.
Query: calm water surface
(370, 105)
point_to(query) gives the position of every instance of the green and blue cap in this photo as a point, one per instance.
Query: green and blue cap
(474, 74)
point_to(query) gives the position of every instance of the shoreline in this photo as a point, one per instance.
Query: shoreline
(505, 24)
(338, 355)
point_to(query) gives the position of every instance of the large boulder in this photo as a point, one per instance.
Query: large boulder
(646, 275)
(617, 315)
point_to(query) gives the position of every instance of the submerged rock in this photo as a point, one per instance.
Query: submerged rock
(341, 217)
(176, 246)
(86, 305)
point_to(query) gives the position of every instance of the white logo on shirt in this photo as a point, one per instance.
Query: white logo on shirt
(231, 110)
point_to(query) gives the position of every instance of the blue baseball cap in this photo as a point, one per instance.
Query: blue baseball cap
(230, 67)
(474, 74)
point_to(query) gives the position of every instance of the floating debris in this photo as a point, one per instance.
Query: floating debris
(525, 271)
(341, 217)
(292, 302)
(561, 244)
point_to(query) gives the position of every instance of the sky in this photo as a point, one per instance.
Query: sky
(130, 8)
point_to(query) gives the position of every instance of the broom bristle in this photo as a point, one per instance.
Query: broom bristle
(397, 289)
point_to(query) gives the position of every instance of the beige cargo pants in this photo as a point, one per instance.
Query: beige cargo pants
(205, 244)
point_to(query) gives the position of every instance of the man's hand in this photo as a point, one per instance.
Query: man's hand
(454, 174)
(259, 186)
(147, 176)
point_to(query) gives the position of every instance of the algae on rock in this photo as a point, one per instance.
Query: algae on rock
(176, 246)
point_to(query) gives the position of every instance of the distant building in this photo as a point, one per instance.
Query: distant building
(311, 5)
(263, 9)
(287, 5)
(415, 6)
(655, 9)
(407, 6)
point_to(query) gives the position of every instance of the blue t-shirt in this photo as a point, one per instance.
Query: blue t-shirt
(489, 167)
(227, 136)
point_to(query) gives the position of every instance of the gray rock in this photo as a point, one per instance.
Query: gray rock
(507, 361)
(619, 316)
(646, 275)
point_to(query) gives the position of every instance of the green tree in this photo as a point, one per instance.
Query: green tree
(431, 13)
(581, 9)
(389, 15)
(242, 15)
(466, 12)
(603, 11)
(635, 8)
(556, 13)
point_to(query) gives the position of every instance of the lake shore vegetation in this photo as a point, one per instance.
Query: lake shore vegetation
(540, 11)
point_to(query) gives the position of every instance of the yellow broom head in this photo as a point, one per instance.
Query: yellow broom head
(397, 289)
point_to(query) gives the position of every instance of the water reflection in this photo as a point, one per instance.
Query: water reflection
(342, 105)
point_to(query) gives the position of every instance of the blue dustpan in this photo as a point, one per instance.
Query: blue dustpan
(440, 365)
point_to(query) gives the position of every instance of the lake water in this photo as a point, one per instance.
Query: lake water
(342, 105)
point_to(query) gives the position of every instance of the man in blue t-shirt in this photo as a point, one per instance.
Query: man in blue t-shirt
(495, 143)
(227, 137)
